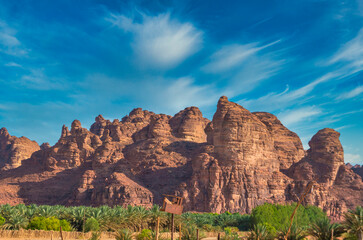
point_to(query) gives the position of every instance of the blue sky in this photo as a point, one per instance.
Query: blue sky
(66, 60)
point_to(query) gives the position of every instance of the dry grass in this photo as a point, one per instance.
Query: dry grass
(41, 235)
(55, 235)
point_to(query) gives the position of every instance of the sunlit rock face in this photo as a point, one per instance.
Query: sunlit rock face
(233, 163)
(14, 150)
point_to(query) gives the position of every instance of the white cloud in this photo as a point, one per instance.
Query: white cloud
(159, 41)
(292, 117)
(37, 79)
(352, 93)
(9, 44)
(351, 53)
(12, 64)
(353, 158)
(274, 101)
(230, 56)
(169, 96)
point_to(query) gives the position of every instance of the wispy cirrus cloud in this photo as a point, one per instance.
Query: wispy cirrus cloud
(9, 43)
(243, 67)
(294, 116)
(351, 53)
(351, 94)
(12, 64)
(353, 158)
(274, 101)
(160, 41)
(231, 56)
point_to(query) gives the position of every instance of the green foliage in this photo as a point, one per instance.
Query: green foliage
(2, 220)
(231, 233)
(353, 223)
(242, 222)
(91, 224)
(296, 233)
(259, 232)
(95, 236)
(50, 223)
(189, 232)
(123, 234)
(323, 230)
(276, 217)
(15, 221)
(145, 234)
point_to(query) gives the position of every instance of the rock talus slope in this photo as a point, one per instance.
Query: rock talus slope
(233, 163)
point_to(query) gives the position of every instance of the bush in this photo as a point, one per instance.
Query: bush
(277, 217)
(145, 234)
(52, 223)
(91, 224)
(231, 233)
(2, 220)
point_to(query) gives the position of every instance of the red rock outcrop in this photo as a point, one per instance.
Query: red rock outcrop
(232, 163)
(14, 150)
(287, 143)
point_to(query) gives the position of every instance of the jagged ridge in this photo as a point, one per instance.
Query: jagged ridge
(234, 162)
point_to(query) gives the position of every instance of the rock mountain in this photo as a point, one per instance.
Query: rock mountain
(234, 162)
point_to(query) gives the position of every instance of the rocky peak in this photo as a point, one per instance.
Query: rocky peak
(287, 143)
(4, 132)
(76, 124)
(239, 137)
(325, 147)
(323, 159)
(45, 146)
(14, 150)
(65, 131)
(189, 124)
(99, 126)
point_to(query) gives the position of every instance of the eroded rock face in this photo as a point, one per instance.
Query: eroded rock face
(358, 169)
(240, 138)
(14, 150)
(287, 144)
(235, 162)
(190, 124)
(323, 159)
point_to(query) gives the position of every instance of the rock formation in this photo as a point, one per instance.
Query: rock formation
(234, 162)
(14, 150)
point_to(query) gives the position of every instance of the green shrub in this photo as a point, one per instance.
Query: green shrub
(231, 233)
(51, 223)
(145, 234)
(189, 232)
(91, 224)
(278, 216)
(95, 236)
(2, 220)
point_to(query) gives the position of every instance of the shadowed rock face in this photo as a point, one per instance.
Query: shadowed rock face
(235, 162)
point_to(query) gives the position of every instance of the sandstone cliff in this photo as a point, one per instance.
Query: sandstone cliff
(14, 150)
(234, 162)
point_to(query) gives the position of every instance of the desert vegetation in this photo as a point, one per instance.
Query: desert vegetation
(268, 221)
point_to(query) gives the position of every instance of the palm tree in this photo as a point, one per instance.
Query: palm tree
(353, 223)
(322, 229)
(296, 233)
(16, 221)
(259, 232)
(123, 234)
